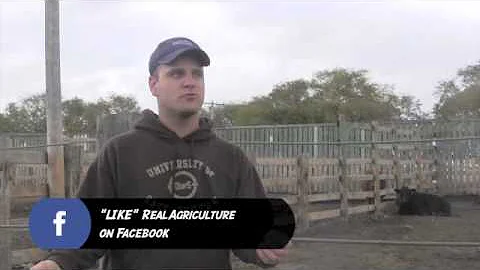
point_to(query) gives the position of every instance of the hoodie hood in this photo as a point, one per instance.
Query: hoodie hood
(150, 122)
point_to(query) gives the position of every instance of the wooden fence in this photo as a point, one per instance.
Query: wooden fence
(301, 182)
(352, 179)
(24, 181)
(350, 187)
(305, 183)
(23, 178)
(315, 188)
(317, 140)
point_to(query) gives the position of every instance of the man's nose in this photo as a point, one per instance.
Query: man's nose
(189, 81)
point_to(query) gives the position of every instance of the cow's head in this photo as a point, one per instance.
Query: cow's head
(404, 194)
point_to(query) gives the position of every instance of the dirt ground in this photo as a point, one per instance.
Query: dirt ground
(464, 226)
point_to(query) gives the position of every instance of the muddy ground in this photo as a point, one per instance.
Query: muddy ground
(463, 226)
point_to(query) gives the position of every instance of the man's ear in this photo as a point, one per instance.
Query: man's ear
(152, 80)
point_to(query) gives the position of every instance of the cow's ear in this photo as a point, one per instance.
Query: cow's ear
(397, 190)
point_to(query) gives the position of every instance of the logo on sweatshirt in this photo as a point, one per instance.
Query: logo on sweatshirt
(183, 184)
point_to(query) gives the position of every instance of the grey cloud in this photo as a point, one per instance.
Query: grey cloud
(252, 45)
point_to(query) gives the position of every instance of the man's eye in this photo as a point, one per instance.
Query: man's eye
(198, 74)
(176, 73)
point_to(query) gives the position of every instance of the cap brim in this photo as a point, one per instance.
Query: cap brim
(198, 54)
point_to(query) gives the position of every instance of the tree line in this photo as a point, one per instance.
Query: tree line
(329, 93)
(79, 116)
(352, 94)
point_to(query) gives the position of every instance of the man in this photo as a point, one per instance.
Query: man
(142, 163)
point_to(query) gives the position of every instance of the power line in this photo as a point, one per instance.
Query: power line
(211, 105)
(49, 145)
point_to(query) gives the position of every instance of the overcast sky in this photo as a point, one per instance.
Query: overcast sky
(253, 45)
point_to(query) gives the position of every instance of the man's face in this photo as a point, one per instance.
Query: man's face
(179, 87)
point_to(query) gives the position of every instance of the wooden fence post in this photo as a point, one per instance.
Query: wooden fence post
(73, 167)
(5, 250)
(342, 162)
(114, 124)
(396, 167)
(303, 185)
(375, 178)
(438, 170)
(421, 182)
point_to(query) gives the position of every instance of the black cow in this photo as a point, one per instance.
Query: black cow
(476, 199)
(411, 202)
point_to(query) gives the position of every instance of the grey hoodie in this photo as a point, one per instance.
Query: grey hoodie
(152, 161)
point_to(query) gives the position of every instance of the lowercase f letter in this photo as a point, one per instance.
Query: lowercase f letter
(59, 221)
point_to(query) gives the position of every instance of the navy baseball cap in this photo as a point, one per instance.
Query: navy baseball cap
(168, 50)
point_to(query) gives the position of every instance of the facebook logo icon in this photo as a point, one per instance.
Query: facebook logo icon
(59, 223)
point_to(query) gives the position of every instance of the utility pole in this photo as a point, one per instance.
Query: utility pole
(56, 177)
(211, 105)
